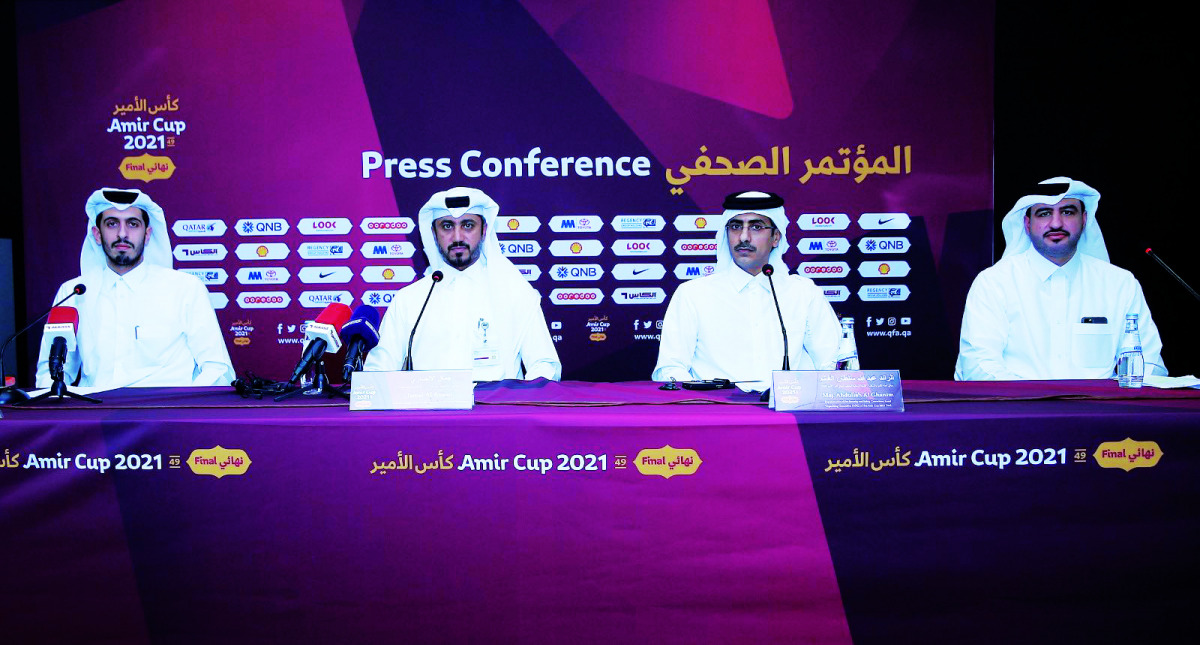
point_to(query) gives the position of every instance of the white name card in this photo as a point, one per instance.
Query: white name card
(837, 391)
(413, 390)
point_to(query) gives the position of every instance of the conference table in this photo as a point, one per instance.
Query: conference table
(577, 512)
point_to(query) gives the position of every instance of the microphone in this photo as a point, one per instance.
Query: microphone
(1178, 279)
(408, 362)
(60, 331)
(769, 270)
(361, 335)
(78, 290)
(322, 334)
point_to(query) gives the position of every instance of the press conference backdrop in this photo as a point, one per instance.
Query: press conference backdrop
(292, 143)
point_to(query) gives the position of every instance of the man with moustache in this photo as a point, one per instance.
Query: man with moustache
(483, 315)
(725, 325)
(141, 323)
(1052, 307)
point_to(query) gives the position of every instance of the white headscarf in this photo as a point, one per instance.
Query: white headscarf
(476, 203)
(158, 245)
(768, 205)
(1091, 241)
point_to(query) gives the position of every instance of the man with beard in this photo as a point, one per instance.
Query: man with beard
(141, 323)
(725, 325)
(1052, 307)
(483, 316)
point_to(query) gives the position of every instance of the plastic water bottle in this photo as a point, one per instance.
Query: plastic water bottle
(1130, 364)
(847, 350)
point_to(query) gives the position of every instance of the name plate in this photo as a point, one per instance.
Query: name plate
(837, 391)
(413, 390)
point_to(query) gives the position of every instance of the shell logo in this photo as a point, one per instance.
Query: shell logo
(701, 222)
(388, 274)
(576, 248)
(513, 224)
(262, 251)
(884, 269)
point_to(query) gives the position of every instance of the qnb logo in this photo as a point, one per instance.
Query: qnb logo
(272, 226)
(520, 248)
(576, 271)
(883, 245)
(576, 296)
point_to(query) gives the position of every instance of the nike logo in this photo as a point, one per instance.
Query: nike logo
(885, 221)
(639, 271)
(326, 275)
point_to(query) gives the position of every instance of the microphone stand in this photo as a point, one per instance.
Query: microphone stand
(58, 388)
(408, 362)
(1178, 279)
(12, 394)
(320, 385)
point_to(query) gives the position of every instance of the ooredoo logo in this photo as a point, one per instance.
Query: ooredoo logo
(263, 299)
(576, 296)
(817, 270)
(385, 225)
(696, 247)
(324, 226)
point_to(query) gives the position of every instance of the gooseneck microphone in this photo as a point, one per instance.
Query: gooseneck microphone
(1178, 279)
(769, 270)
(408, 362)
(10, 395)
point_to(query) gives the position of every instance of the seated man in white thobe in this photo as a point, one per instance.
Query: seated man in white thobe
(725, 325)
(483, 315)
(1052, 307)
(141, 323)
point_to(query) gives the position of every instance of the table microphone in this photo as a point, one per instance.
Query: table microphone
(408, 362)
(360, 335)
(769, 270)
(9, 395)
(322, 334)
(60, 330)
(1186, 286)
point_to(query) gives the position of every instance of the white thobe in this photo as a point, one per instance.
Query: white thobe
(1024, 319)
(475, 320)
(152, 327)
(726, 326)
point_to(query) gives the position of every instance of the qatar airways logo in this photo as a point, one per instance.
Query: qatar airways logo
(639, 296)
(693, 223)
(325, 250)
(576, 223)
(576, 296)
(262, 275)
(638, 223)
(517, 224)
(386, 225)
(520, 248)
(836, 293)
(696, 247)
(198, 228)
(576, 272)
(193, 252)
(638, 247)
(323, 275)
(530, 272)
(572, 248)
(394, 273)
(819, 245)
(823, 221)
(263, 299)
(324, 226)
(262, 226)
(394, 249)
(818, 270)
(639, 271)
(264, 251)
(322, 299)
(209, 276)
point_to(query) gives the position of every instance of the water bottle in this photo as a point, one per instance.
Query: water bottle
(847, 351)
(1130, 365)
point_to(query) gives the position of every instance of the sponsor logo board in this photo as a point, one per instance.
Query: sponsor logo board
(262, 226)
(198, 228)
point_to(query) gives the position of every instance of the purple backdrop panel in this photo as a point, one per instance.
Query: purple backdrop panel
(316, 542)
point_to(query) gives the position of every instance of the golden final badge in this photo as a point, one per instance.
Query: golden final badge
(667, 461)
(1128, 454)
(219, 462)
(147, 168)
